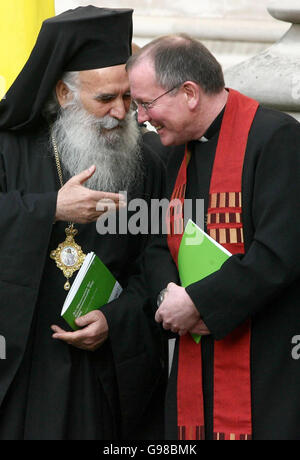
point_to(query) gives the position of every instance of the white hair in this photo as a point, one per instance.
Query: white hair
(113, 145)
(71, 79)
(52, 106)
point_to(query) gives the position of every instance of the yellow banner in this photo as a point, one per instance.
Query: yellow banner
(20, 23)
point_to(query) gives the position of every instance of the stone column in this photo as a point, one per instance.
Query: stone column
(273, 76)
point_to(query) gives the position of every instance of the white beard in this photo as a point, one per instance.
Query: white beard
(83, 140)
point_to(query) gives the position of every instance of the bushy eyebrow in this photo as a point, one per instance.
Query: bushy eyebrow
(103, 96)
(108, 96)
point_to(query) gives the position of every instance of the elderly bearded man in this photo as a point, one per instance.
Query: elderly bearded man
(61, 153)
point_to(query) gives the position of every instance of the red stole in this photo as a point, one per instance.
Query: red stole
(232, 386)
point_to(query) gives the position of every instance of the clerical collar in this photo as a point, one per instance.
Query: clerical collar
(214, 127)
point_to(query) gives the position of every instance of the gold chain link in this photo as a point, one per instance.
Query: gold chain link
(58, 167)
(57, 161)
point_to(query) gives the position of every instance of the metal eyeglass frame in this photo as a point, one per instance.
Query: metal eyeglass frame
(146, 105)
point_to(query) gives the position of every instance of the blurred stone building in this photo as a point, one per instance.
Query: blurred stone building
(256, 41)
(232, 29)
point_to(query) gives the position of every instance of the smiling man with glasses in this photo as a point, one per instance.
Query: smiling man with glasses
(158, 112)
(243, 161)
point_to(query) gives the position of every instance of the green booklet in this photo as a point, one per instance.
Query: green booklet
(199, 256)
(93, 287)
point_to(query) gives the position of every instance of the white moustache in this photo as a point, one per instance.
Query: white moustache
(108, 122)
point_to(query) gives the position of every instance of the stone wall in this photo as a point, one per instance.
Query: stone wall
(258, 56)
(246, 9)
(233, 30)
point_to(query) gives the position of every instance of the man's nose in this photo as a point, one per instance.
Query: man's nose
(119, 109)
(142, 114)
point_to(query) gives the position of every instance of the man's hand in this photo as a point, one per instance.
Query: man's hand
(177, 311)
(78, 204)
(91, 337)
(200, 328)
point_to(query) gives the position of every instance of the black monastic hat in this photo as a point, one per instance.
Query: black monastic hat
(81, 39)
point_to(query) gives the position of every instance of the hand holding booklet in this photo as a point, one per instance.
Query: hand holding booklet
(199, 256)
(93, 287)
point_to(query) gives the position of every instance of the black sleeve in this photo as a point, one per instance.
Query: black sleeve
(25, 229)
(247, 284)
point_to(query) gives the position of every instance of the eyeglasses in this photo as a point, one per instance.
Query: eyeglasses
(148, 105)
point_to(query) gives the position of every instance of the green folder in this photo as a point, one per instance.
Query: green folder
(199, 256)
(93, 287)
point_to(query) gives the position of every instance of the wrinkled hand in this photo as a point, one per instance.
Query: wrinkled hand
(92, 335)
(76, 203)
(200, 328)
(177, 311)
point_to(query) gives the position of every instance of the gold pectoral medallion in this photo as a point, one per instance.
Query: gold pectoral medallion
(68, 255)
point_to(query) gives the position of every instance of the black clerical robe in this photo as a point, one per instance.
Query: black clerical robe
(262, 285)
(48, 389)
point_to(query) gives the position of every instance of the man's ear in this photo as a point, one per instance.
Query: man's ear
(63, 93)
(192, 94)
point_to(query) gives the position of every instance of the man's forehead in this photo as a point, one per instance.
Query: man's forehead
(145, 66)
(142, 79)
(104, 76)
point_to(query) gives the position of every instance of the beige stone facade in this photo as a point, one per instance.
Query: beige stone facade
(248, 40)
(232, 29)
